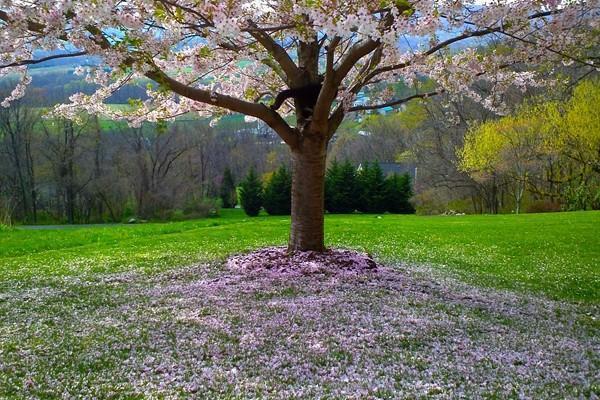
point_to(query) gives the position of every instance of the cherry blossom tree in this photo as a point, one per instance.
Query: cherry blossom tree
(212, 57)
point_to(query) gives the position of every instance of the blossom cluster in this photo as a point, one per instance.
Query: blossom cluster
(213, 45)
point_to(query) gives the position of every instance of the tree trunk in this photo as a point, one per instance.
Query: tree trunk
(308, 184)
(70, 172)
(16, 154)
(519, 196)
(31, 176)
(70, 203)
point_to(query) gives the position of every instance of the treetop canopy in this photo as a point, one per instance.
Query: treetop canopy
(212, 57)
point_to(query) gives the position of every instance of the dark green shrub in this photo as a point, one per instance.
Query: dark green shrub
(251, 194)
(331, 178)
(201, 208)
(277, 196)
(543, 206)
(227, 192)
(341, 188)
(372, 197)
(582, 196)
(398, 190)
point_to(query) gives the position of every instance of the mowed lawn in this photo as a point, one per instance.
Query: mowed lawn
(151, 311)
(555, 255)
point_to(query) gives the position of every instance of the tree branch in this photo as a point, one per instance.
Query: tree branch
(257, 110)
(531, 17)
(270, 117)
(338, 114)
(436, 48)
(41, 60)
(357, 52)
(335, 120)
(551, 50)
(279, 54)
(333, 80)
(396, 102)
(333, 44)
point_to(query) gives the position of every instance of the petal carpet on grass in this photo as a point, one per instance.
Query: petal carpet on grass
(265, 325)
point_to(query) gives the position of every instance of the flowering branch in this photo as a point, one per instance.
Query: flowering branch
(397, 102)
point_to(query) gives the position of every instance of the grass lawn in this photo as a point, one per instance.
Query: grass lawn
(151, 311)
(557, 255)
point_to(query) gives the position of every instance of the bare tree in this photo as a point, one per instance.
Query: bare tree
(16, 140)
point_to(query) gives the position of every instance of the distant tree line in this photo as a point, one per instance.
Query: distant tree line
(57, 171)
(542, 156)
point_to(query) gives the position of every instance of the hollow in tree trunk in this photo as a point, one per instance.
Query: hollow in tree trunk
(308, 184)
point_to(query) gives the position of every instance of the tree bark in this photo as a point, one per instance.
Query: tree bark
(308, 184)
(15, 152)
(70, 149)
(31, 175)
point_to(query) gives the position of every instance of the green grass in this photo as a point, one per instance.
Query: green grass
(556, 255)
(70, 327)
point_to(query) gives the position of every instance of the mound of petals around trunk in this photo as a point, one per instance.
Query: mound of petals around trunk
(277, 261)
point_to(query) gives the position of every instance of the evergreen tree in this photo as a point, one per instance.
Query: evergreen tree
(251, 194)
(372, 198)
(362, 181)
(341, 188)
(406, 187)
(277, 198)
(331, 181)
(228, 193)
(398, 194)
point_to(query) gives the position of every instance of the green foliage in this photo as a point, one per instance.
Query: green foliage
(251, 194)
(228, 192)
(428, 202)
(503, 145)
(5, 228)
(331, 177)
(201, 208)
(47, 218)
(398, 191)
(560, 139)
(578, 123)
(372, 198)
(582, 196)
(277, 198)
(128, 211)
(341, 188)
(368, 190)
